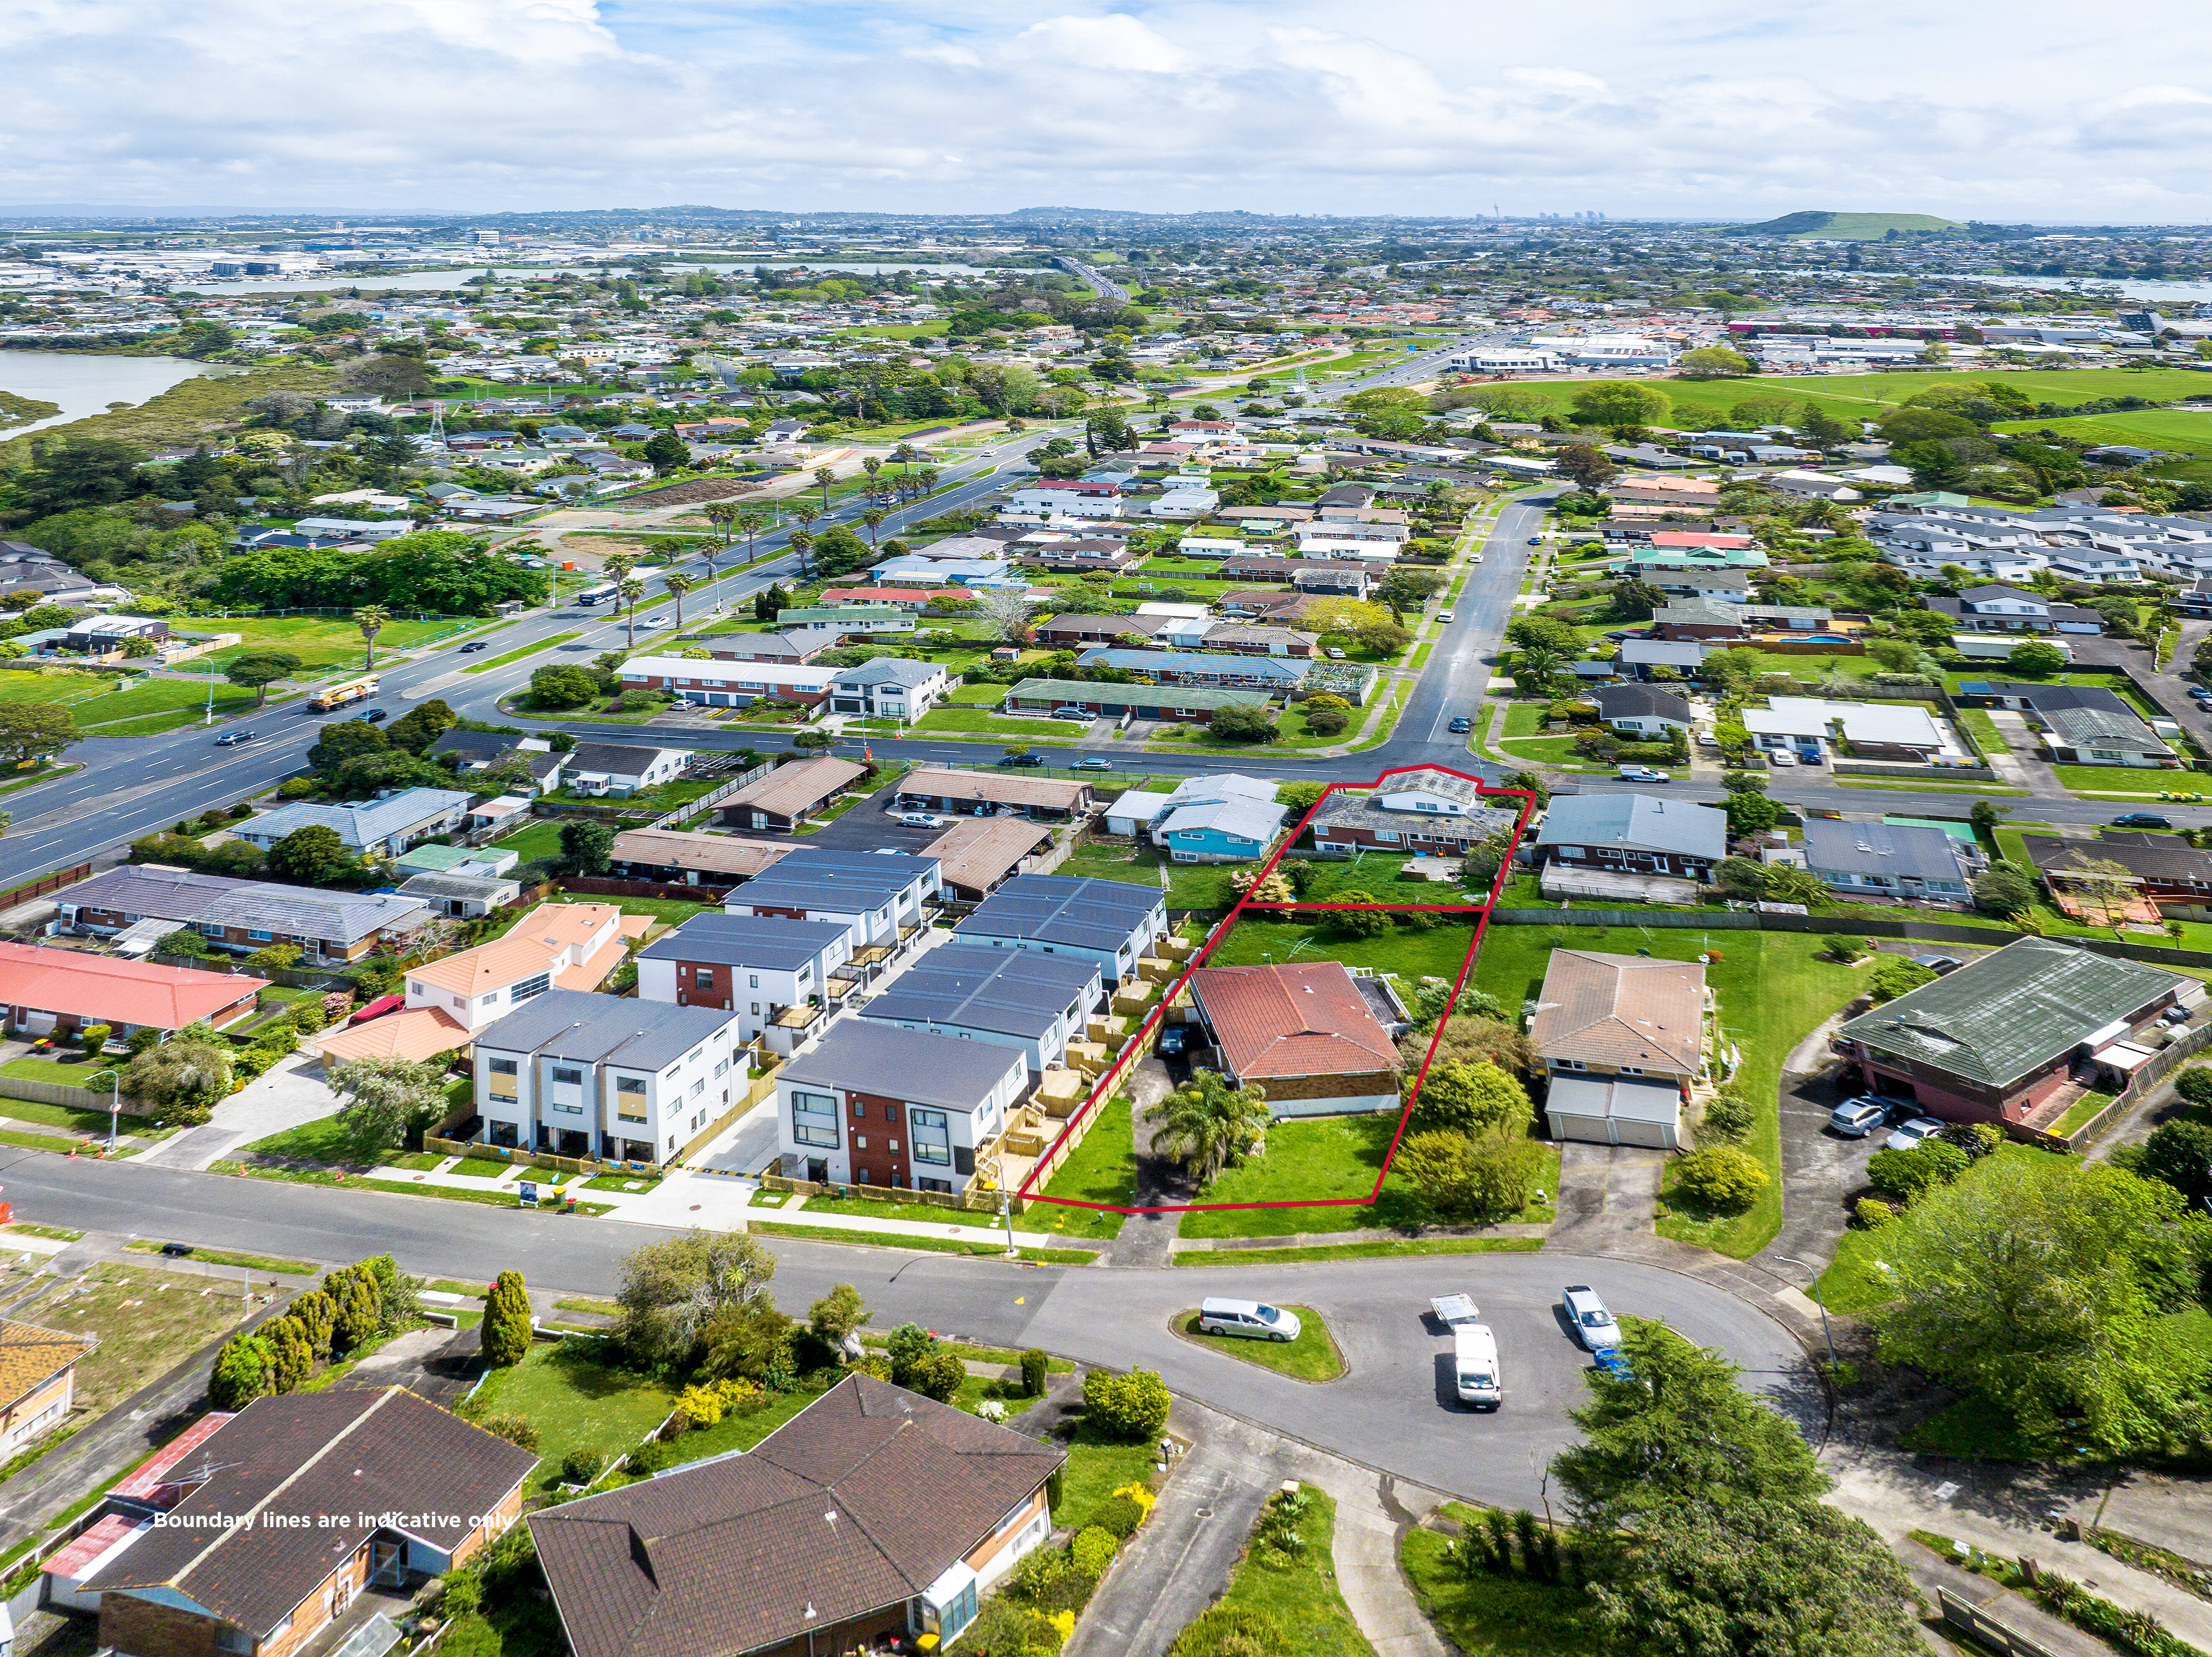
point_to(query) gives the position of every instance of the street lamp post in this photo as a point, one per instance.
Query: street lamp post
(1817, 1301)
(114, 1102)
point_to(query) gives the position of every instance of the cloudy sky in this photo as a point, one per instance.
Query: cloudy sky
(2026, 112)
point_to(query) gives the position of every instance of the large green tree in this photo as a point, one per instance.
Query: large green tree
(31, 731)
(1619, 403)
(670, 1291)
(257, 670)
(388, 1101)
(310, 854)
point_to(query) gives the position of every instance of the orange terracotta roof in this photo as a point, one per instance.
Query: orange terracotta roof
(102, 987)
(1303, 1020)
(538, 939)
(417, 1033)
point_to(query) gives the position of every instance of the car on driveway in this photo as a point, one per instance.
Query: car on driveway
(2140, 820)
(1938, 964)
(1075, 714)
(1912, 1133)
(920, 820)
(1461, 725)
(1594, 1324)
(233, 739)
(1857, 1118)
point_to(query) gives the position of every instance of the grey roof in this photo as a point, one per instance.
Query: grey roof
(1997, 1019)
(891, 669)
(1097, 694)
(1081, 912)
(729, 940)
(487, 889)
(1702, 612)
(1636, 820)
(1642, 700)
(844, 883)
(1881, 848)
(2163, 858)
(476, 745)
(913, 1065)
(1275, 668)
(2048, 698)
(193, 898)
(604, 1029)
(1343, 810)
(616, 759)
(364, 822)
(1671, 652)
(977, 988)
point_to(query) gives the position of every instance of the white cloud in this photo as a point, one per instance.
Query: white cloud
(1297, 106)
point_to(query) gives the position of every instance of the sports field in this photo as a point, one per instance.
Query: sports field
(2142, 428)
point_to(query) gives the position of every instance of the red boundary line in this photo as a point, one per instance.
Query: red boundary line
(1104, 1091)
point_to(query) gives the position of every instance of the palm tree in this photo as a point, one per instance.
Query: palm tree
(872, 464)
(906, 454)
(1206, 1125)
(801, 541)
(619, 565)
(825, 475)
(805, 512)
(678, 584)
(751, 522)
(372, 619)
(925, 481)
(722, 514)
(871, 517)
(630, 589)
(1533, 667)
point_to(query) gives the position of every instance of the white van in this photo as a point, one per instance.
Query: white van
(1475, 1367)
(1250, 1319)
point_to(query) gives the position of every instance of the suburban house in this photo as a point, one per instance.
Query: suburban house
(2013, 610)
(987, 793)
(462, 895)
(732, 684)
(1891, 860)
(889, 688)
(1425, 811)
(1645, 710)
(794, 648)
(2124, 876)
(1029, 1002)
(1219, 819)
(147, 900)
(576, 1074)
(977, 855)
(874, 1515)
(383, 827)
(619, 770)
(565, 946)
(1319, 1039)
(871, 1104)
(2017, 1035)
(37, 1381)
(479, 751)
(1620, 1039)
(1077, 555)
(60, 991)
(783, 979)
(102, 635)
(1076, 629)
(424, 1491)
(1173, 704)
(434, 859)
(1111, 922)
(791, 794)
(669, 857)
(2082, 724)
(1277, 675)
(883, 901)
(1632, 835)
(1880, 731)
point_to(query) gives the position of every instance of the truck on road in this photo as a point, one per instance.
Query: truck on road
(346, 690)
(1476, 1379)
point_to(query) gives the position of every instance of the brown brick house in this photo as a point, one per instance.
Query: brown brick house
(1319, 1041)
(292, 1509)
(874, 1514)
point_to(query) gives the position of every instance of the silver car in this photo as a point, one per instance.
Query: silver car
(1594, 1324)
(1857, 1118)
(1909, 1134)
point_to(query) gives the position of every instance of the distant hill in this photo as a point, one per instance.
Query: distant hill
(1849, 227)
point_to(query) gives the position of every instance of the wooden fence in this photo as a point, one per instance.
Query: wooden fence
(61, 1093)
(976, 1202)
(2140, 1086)
(603, 886)
(43, 884)
(1993, 1632)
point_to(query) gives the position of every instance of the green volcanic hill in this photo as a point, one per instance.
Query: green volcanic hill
(1851, 226)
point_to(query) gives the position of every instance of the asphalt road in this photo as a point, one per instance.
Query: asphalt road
(1393, 1410)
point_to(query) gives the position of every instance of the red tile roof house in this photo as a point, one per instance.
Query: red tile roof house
(1312, 1035)
(44, 990)
(420, 1490)
(873, 1513)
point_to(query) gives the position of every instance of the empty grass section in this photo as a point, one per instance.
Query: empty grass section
(146, 1321)
(1491, 1614)
(1395, 1247)
(1101, 1169)
(576, 1401)
(513, 656)
(923, 1245)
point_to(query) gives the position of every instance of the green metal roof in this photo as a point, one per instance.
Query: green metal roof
(1146, 695)
(2011, 1013)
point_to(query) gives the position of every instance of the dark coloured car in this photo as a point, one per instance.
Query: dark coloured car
(1461, 725)
(1024, 761)
(2140, 820)
(375, 716)
(233, 739)
(472, 647)
(1938, 964)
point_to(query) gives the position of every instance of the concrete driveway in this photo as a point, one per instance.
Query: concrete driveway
(288, 1095)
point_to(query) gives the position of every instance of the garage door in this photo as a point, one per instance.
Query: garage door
(1591, 1128)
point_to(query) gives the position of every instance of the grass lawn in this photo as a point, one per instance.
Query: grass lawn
(243, 1262)
(1772, 992)
(974, 721)
(1097, 1465)
(1101, 1169)
(320, 641)
(1524, 718)
(1380, 874)
(576, 1402)
(480, 1167)
(1301, 1593)
(1983, 729)
(1490, 1615)
(673, 910)
(1359, 1251)
(540, 839)
(869, 1208)
(1545, 751)
(2127, 780)
(989, 694)
(2088, 1106)
(319, 1141)
(2148, 428)
(99, 708)
(923, 1245)
(1312, 1356)
(146, 1321)
(517, 655)
(1407, 954)
(68, 1075)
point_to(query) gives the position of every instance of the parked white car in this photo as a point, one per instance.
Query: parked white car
(1253, 1320)
(1594, 1324)
(1909, 1134)
(920, 820)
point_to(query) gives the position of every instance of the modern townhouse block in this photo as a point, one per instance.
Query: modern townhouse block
(1110, 922)
(874, 1104)
(782, 979)
(1035, 1003)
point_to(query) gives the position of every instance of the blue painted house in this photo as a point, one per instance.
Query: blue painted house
(1224, 819)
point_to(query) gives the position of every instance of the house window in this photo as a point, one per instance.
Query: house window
(574, 1079)
(259, 937)
(1568, 1064)
(931, 1141)
(814, 1119)
(530, 986)
(502, 1067)
(704, 976)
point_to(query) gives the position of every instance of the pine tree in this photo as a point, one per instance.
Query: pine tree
(507, 1321)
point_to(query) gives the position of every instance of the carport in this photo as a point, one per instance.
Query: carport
(1615, 1110)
